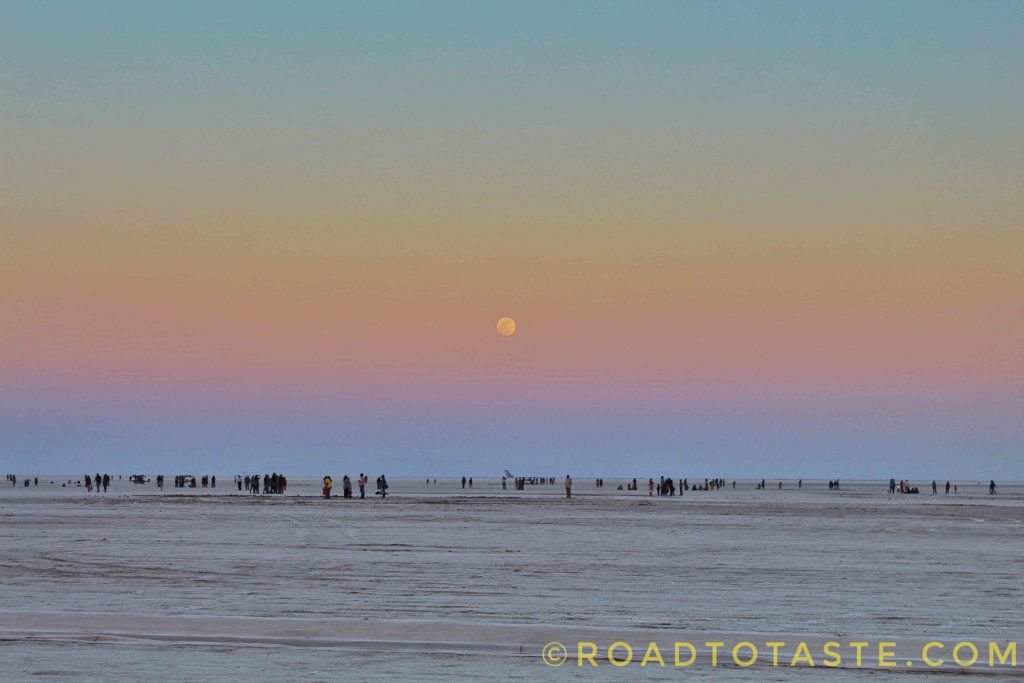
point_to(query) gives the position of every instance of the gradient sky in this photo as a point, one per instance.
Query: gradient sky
(740, 239)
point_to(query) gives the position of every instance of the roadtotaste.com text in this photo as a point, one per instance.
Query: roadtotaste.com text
(963, 654)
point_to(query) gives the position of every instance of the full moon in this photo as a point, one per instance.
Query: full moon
(506, 327)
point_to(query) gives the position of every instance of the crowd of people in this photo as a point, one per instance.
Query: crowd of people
(99, 481)
(278, 484)
(13, 478)
(904, 486)
(189, 481)
(666, 486)
(346, 486)
(271, 483)
(520, 483)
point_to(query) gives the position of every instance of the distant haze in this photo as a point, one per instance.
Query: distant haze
(738, 239)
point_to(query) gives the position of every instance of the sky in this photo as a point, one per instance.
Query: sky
(739, 239)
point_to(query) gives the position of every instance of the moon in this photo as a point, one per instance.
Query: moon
(506, 327)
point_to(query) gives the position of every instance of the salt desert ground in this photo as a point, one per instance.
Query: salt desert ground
(438, 582)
